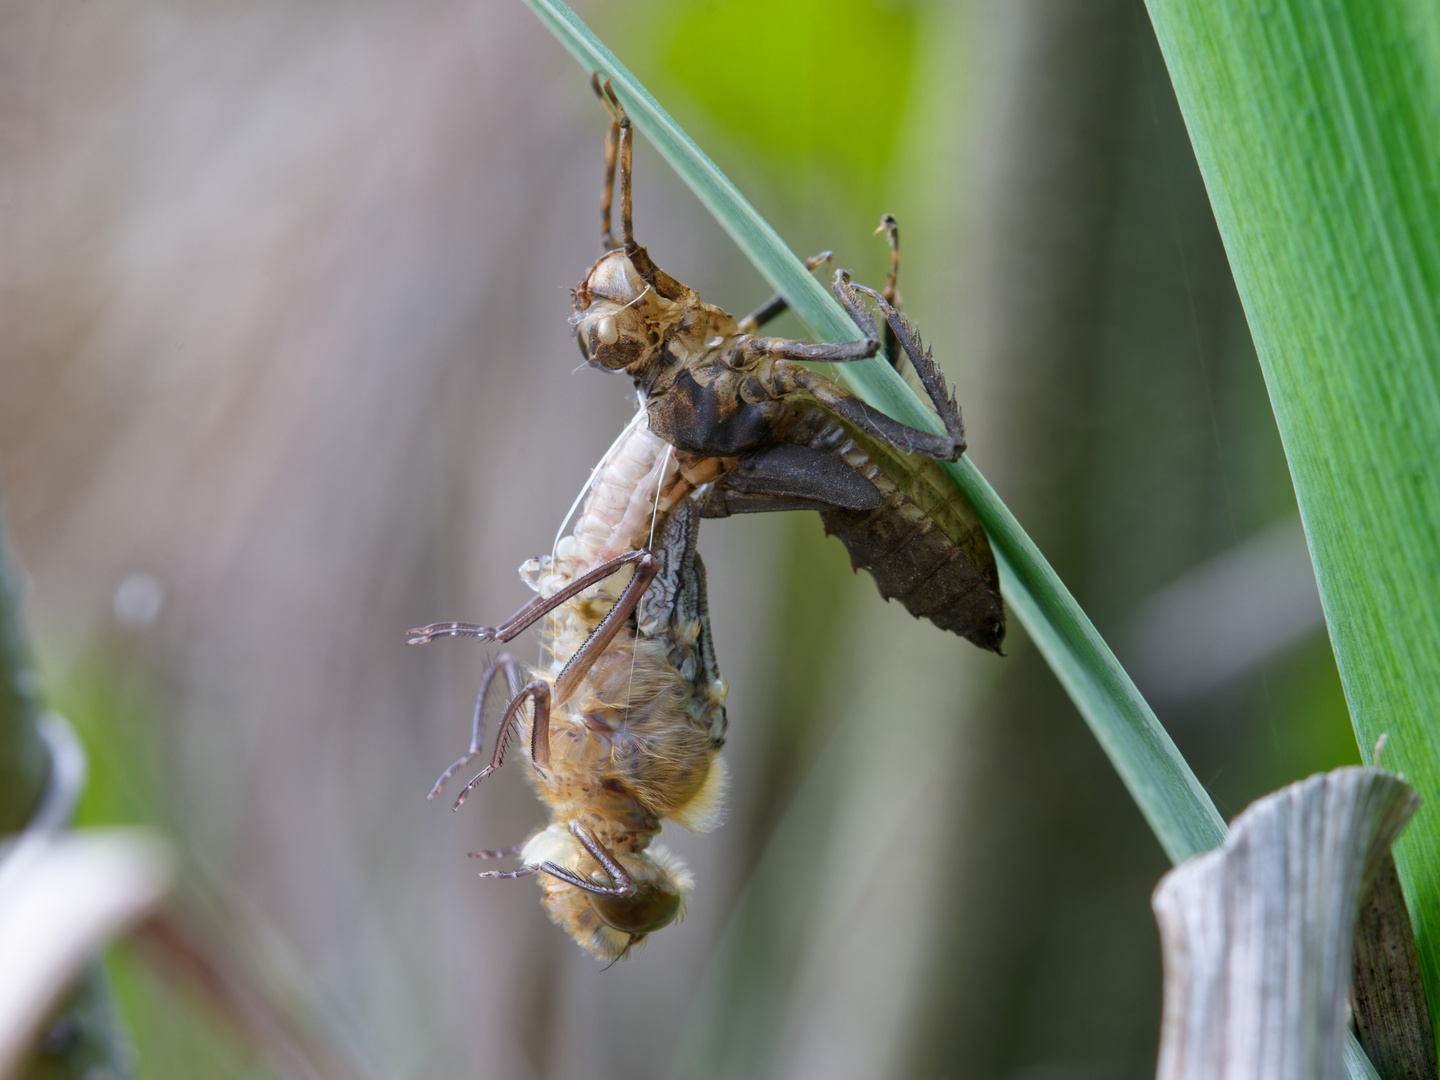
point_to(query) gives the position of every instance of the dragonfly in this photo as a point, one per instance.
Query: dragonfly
(623, 727)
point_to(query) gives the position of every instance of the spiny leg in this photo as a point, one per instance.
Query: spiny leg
(601, 854)
(815, 352)
(789, 476)
(845, 292)
(777, 304)
(526, 616)
(556, 870)
(944, 448)
(823, 352)
(891, 228)
(789, 378)
(620, 126)
(612, 146)
(538, 692)
(647, 565)
(531, 613)
(515, 677)
(923, 361)
(826, 352)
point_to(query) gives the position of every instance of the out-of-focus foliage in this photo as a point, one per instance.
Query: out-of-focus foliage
(174, 1033)
(105, 697)
(811, 87)
(22, 754)
(284, 329)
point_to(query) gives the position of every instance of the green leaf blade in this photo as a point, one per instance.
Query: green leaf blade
(1315, 124)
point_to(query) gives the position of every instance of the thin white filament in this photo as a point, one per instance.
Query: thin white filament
(650, 546)
(636, 300)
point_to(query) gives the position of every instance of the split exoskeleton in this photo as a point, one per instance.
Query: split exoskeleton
(770, 434)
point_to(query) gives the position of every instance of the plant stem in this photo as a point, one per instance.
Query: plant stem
(83, 1036)
(24, 760)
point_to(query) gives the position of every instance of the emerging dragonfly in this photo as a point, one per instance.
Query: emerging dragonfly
(776, 435)
(627, 721)
(624, 726)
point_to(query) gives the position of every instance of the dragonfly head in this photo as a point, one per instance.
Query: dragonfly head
(615, 314)
(624, 315)
(609, 926)
(651, 908)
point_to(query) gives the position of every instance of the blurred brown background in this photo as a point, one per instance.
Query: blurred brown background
(285, 369)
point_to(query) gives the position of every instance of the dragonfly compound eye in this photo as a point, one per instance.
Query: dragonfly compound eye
(613, 341)
(650, 908)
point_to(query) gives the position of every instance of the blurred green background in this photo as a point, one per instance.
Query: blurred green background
(286, 370)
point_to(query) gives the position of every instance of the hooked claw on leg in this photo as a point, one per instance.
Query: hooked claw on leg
(422, 635)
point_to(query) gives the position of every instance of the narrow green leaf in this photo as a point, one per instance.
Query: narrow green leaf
(1179, 811)
(1315, 124)
(1257, 936)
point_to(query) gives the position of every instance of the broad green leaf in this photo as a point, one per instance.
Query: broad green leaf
(1315, 123)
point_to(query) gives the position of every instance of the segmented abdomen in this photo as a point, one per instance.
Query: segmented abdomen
(638, 739)
(629, 490)
(923, 545)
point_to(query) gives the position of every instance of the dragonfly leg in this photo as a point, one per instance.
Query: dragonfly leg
(515, 676)
(612, 148)
(793, 378)
(891, 228)
(923, 361)
(789, 476)
(618, 158)
(647, 566)
(827, 352)
(538, 692)
(624, 884)
(531, 613)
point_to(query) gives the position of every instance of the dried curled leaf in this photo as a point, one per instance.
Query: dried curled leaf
(1257, 935)
(61, 898)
